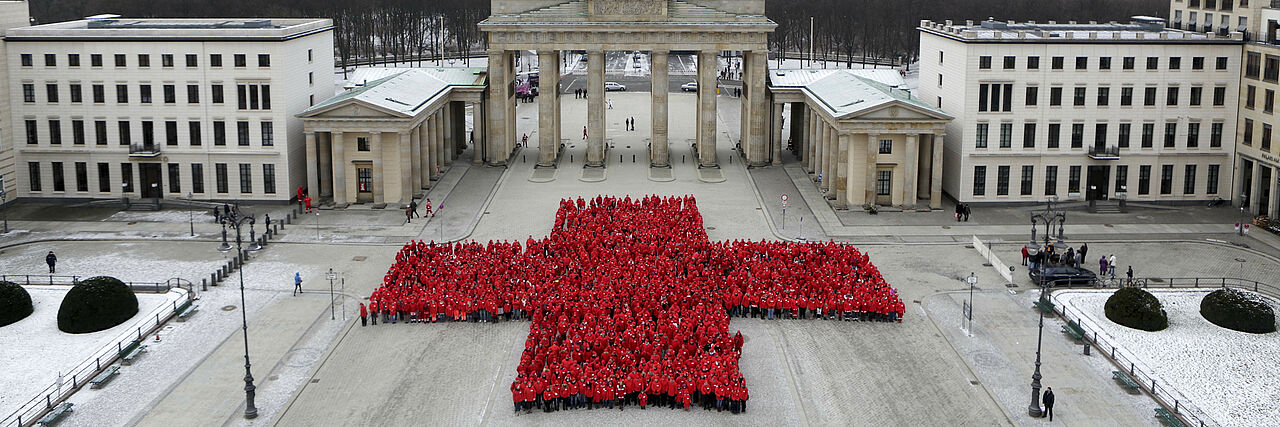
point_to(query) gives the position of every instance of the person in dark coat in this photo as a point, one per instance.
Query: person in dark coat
(51, 259)
(959, 211)
(1048, 403)
(967, 211)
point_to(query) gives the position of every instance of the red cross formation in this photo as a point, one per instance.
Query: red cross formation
(631, 292)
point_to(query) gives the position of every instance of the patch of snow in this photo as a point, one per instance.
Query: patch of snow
(1232, 377)
(200, 216)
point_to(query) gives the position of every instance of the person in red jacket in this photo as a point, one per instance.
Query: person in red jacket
(364, 316)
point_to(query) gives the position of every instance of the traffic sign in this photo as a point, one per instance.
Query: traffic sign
(784, 197)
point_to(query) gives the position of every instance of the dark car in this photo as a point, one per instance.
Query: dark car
(1063, 276)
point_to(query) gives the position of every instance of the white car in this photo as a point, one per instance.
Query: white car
(690, 87)
(614, 86)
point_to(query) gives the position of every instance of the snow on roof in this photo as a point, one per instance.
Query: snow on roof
(846, 92)
(402, 90)
(1140, 28)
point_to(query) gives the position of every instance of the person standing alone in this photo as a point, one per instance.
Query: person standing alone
(1048, 403)
(51, 259)
(297, 283)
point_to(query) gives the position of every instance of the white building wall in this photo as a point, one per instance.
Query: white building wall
(13, 14)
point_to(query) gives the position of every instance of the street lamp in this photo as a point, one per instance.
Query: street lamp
(4, 198)
(191, 215)
(236, 220)
(968, 312)
(331, 275)
(1244, 202)
(1034, 408)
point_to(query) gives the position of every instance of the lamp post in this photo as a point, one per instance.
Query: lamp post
(236, 220)
(968, 314)
(1244, 202)
(317, 224)
(4, 198)
(331, 275)
(191, 215)
(1049, 217)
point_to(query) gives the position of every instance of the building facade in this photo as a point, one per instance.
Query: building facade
(13, 14)
(1257, 162)
(1083, 111)
(111, 107)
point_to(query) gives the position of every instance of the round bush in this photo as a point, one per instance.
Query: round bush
(1138, 309)
(96, 304)
(1238, 310)
(15, 303)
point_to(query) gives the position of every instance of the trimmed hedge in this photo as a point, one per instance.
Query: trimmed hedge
(1238, 310)
(1138, 309)
(96, 304)
(15, 303)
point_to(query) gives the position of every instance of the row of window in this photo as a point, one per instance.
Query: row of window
(998, 97)
(1253, 63)
(1264, 140)
(125, 129)
(239, 60)
(1102, 136)
(249, 96)
(1073, 179)
(173, 184)
(1102, 63)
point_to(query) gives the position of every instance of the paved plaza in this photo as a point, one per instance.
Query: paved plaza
(311, 370)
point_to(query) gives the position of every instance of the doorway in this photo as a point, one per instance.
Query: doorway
(364, 182)
(1264, 193)
(151, 186)
(884, 187)
(1099, 182)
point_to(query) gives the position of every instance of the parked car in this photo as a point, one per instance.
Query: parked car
(1063, 276)
(689, 87)
(614, 86)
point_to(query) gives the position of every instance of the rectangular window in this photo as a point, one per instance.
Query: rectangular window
(1170, 134)
(1148, 135)
(170, 132)
(215, 60)
(1033, 62)
(122, 94)
(886, 145)
(175, 178)
(1171, 98)
(28, 92)
(144, 60)
(220, 177)
(1006, 135)
(99, 94)
(1193, 135)
(979, 180)
(95, 60)
(193, 94)
(1028, 176)
(1122, 178)
(215, 91)
(1266, 138)
(197, 178)
(1029, 135)
(1050, 180)
(82, 176)
(1197, 63)
(1033, 92)
(50, 60)
(51, 92)
(984, 62)
(1100, 135)
(1153, 63)
(239, 59)
(27, 61)
(1149, 97)
(1104, 63)
(1055, 131)
(33, 169)
(264, 60)
(1077, 135)
(192, 60)
(1166, 179)
(362, 143)
(1057, 62)
(1127, 62)
(100, 132)
(1196, 92)
(1215, 135)
(1189, 180)
(59, 181)
(1123, 139)
(33, 132)
(1221, 63)
(148, 133)
(77, 132)
(1078, 99)
(166, 60)
(1272, 70)
(884, 183)
(269, 179)
(242, 97)
(1212, 187)
(266, 97)
(1104, 96)
(1269, 101)
(219, 133)
(55, 132)
(1073, 179)
(145, 93)
(1219, 96)
(981, 137)
(1010, 62)
(193, 133)
(242, 134)
(269, 138)
(1082, 62)
(246, 178)
(1126, 96)
(1250, 96)
(170, 94)
(1144, 180)
(104, 178)
(126, 177)
(77, 95)
(1252, 65)
(1055, 96)
(1002, 181)
(1175, 63)
(1248, 132)
(123, 130)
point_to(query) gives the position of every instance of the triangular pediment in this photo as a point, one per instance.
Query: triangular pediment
(352, 108)
(895, 110)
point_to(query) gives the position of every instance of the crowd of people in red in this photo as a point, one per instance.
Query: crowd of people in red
(630, 302)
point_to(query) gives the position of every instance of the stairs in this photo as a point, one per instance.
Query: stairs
(1107, 207)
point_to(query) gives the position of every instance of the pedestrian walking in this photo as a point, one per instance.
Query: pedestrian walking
(1102, 265)
(408, 215)
(429, 213)
(297, 283)
(959, 211)
(1025, 255)
(217, 217)
(300, 193)
(524, 140)
(1079, 260)
(413, 207)
(609, 103)
(1111, 261)
(307, 203)
(967, 211)
(1084, 250)
(1127, 273)
(364, 316)
(1048, 403)
(51, 259)
(584, 133)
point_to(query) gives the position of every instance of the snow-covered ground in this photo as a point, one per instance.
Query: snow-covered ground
(1233, 377)
(200, 216)
(130, 262)
(33, 351)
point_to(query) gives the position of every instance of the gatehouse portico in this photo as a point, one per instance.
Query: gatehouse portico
(551, 27)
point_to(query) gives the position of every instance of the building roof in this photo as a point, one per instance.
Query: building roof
(576, 12)
(114, 27)
(402, 91)
(848, 93)
(1141, 29)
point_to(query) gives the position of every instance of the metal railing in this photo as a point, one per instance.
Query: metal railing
(53, 279)
(1176, 282)
(72, 381)
(144, 149)
(1112, 152)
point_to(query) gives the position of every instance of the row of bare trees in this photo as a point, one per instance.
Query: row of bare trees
(373, 31)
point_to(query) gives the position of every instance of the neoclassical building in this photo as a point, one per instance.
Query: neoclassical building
(385, 139)
(862, 137)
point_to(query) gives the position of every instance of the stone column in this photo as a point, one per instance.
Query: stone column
(855, 190)
(324, 151)
(379, 172)
(1255, 190)
(830, 159)
(810, 142)
(595, 109)
(756, 108)
(446, 129)
(437, 152)
(447, 151)
(500, 104)
(925, 161)
(797, 125)
(548, 114)
(910, 163)
(406, 167)
(313, 169)
(935, 182)
(706, 129)
(659, 145)
(481, 129)
(873, 158)
(339, 169)
(428, 159)
(415, 160)
(842, 170)
(776, 122)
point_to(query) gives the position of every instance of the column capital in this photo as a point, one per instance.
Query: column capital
(309, 133)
